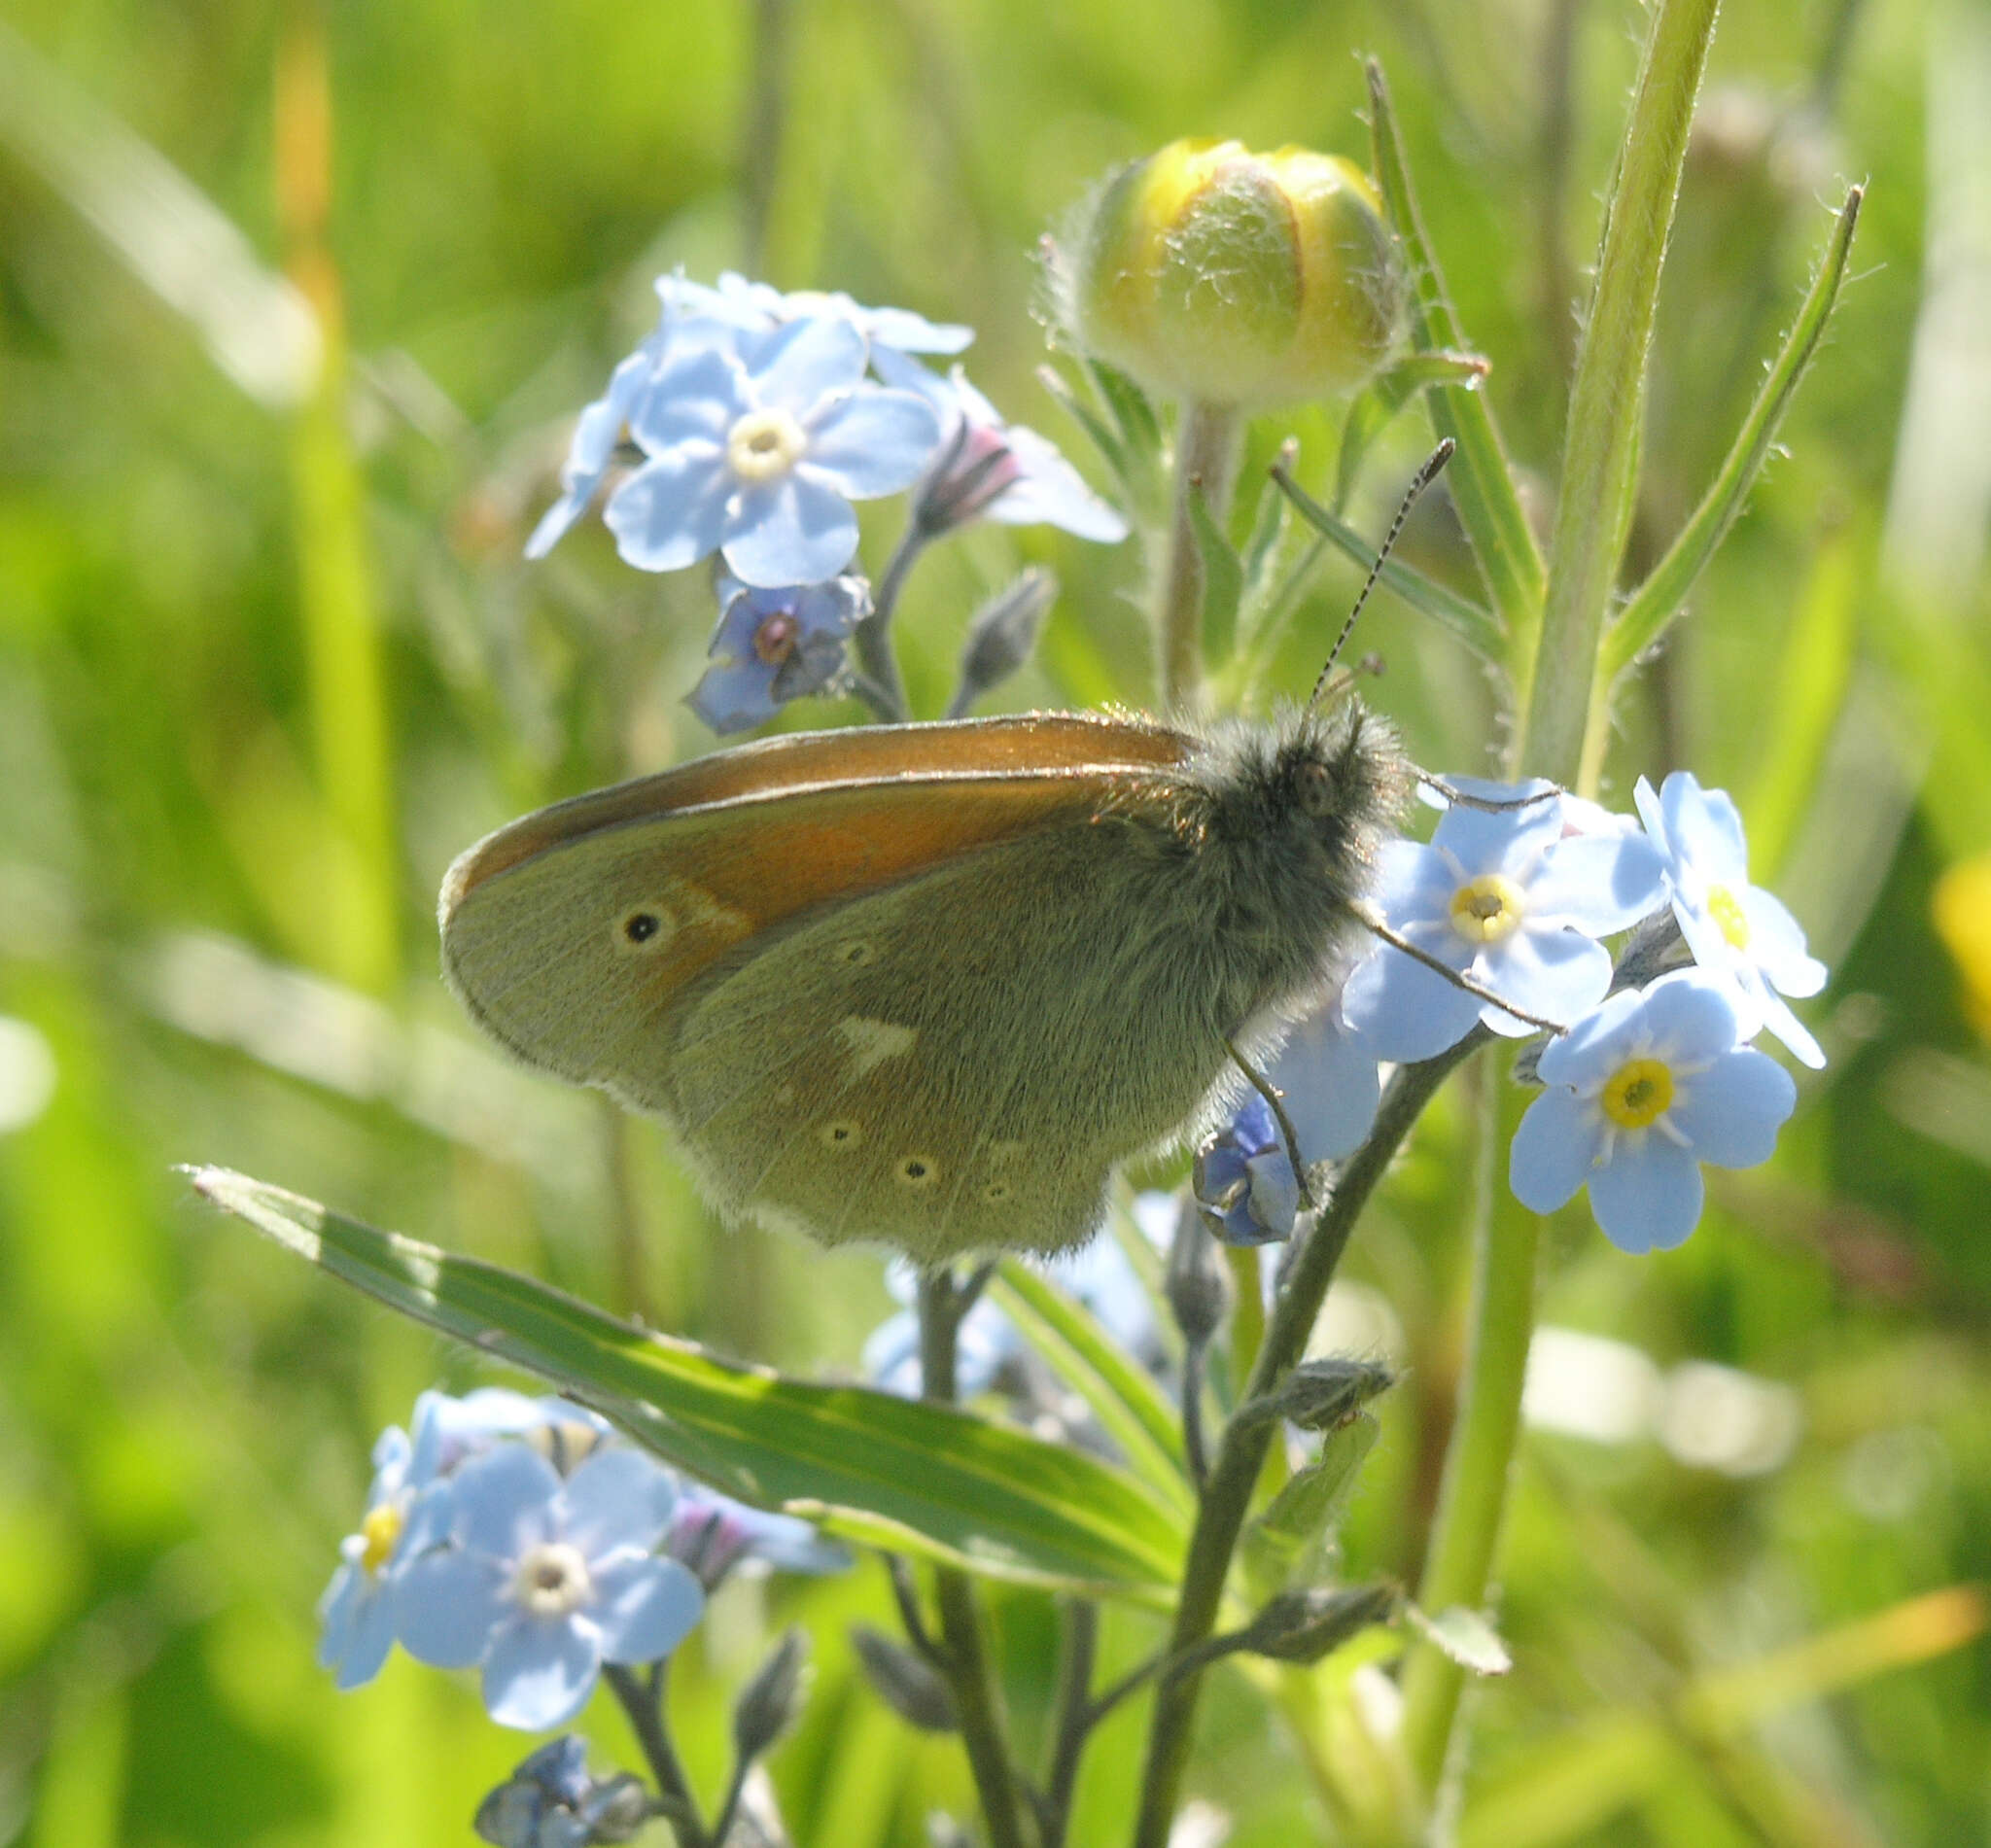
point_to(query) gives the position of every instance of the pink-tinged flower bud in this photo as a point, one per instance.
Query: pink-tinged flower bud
(1213, 273)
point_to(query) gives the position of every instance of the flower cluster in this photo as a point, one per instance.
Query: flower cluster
(1512, 897)
(759, 420)
(521, 1536)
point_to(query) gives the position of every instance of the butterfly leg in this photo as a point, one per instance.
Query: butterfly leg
(1486, 805)
(1373, 922)
(1269, 1092)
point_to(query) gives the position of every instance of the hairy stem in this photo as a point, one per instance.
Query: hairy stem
(642, 1700)
(1227, 1498)
(978, 1701)
(1206, 449)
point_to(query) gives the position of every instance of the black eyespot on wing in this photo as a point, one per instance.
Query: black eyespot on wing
(640, 926)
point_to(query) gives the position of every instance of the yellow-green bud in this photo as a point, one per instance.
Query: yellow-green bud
(1213, 273)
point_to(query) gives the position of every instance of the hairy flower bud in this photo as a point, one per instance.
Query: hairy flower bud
(1213, 273)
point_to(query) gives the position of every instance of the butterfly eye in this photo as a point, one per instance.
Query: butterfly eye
(917, 1170)
(1317, 791)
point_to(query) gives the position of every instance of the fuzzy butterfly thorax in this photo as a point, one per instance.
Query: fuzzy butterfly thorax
(924, 986)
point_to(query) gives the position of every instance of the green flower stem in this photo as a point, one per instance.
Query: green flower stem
(1207, 444)
(1227, 1496)
(978, 1702)
(1660, 599)
(1607, 399)
(1473, 1496)
(879, 681)
(642, 1700)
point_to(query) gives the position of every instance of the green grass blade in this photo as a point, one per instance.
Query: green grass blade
(1477, 627)
(1593, 502)
(965, 1490)
(1482, 481)
(1659, 600)
(1125, 1398)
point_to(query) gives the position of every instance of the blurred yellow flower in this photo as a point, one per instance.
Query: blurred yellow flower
(1962, 908)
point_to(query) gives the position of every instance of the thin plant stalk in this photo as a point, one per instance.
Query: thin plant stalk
(1240, 1455)
(1207, 444)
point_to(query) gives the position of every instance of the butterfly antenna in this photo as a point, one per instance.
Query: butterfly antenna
(1434, 467)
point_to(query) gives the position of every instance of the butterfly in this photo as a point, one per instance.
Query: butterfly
(925, 985)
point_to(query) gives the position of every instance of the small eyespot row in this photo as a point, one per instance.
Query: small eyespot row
(916, 1171)
(855, 954)
(997, 1192)
(846, 1132)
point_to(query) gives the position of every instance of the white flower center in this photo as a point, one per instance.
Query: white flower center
(552, 1580)
(765, 444)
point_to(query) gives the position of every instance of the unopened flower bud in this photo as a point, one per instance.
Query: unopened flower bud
(1213, 273)
(1197, 1282)
(1321, 1395)
(1004, 631)
(1302, 1626)
(904, 1681)
(770, 1701)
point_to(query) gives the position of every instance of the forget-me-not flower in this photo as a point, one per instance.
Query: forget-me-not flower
(773, 645)
(404, 1513)
(1637, 1096)
(552, 1800)
(988, 468)
(544, 1579)
(760, 304)
(1508, 899)
(756, 447)
(711, 1533)
(1734, 929)
(1243, 1180)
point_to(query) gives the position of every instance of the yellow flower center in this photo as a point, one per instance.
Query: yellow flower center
(1486, 909)
(1640, 1091)
(764, 445)
(380, 1530)
(1725, 909)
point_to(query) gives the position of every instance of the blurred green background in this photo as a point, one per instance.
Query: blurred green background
(295, 305)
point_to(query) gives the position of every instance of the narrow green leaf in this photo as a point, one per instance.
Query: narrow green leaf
(1129, 1405)
(1223, 580)
(1378, 404)
(1269, 521)
(1477, 628)
(1287, 1543)
(916, 1477)
(1483, 485)
(1659, 600)
(1463, 1635)
(1607, 396)
(1103, 437)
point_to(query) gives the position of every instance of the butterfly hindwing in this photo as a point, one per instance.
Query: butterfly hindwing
(887, 1069)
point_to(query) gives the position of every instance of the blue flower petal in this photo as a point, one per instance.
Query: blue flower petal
(1508, 841)
(540, 1672)
(618, 1497)
(1730, 1114)
(1404, 1011)
(734, 696)
(1776, 944)
(446, 1604)
(1596, 1044)
(505, 1501)
(1598, 883)
(1785, 1026)
(1704, 829)
(796, 365)
(671, 511)
(643, 1607)
(1328, 1084)
(1050, 492)
(1689, 1017)
(1555, 973)
(1414, 883)
(693, 400)
(873, 442)
(369, 1638)
(1554, 1150)
(1648, 1196)
(789, 530)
